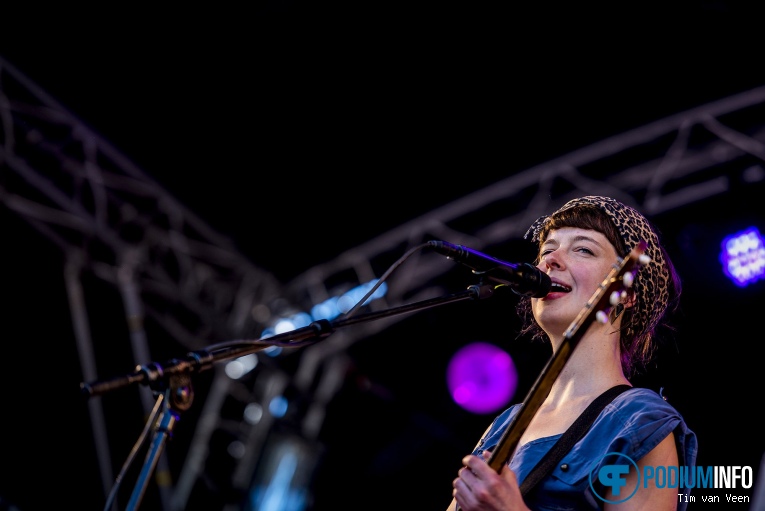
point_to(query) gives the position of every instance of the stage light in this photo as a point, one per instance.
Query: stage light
(283, 478)
(278, 406)
(482, 378)
(743, 257)
(241, 366)
(332, 307)
(329, 309)
(253, 413)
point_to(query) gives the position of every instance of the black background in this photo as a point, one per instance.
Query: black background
(260, 121)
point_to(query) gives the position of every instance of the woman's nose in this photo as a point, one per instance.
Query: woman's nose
(550, 260)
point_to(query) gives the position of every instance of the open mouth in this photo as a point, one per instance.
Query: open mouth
(559, 288)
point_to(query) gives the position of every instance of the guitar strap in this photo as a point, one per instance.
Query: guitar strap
(572, 435)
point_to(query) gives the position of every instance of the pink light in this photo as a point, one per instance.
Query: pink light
(481, 378)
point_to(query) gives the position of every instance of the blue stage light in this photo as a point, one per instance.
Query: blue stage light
(743, 257)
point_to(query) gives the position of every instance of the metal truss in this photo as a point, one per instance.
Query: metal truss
(665, 165)
(111, 220)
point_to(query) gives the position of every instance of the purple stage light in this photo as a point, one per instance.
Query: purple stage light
(481, 378)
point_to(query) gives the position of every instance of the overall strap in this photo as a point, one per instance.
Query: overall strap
(572, 435)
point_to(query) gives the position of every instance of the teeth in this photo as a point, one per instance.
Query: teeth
(560, 287)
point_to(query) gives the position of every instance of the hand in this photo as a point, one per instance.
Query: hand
(480, 487)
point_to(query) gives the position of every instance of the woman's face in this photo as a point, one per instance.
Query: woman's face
(577, 260)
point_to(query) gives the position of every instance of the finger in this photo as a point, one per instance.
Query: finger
(477, 466)
(468, 476)
(462, 494)
(509, 475)
(473, 462)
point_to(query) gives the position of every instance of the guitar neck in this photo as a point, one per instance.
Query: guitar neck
(531, 404)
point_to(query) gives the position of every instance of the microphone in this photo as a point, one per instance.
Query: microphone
(524, 279)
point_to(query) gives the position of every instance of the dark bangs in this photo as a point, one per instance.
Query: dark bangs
(585, 216)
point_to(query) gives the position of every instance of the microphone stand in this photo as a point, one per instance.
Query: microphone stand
(177, 398)
(172, 383)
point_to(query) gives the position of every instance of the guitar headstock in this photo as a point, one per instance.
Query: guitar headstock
(612, 289)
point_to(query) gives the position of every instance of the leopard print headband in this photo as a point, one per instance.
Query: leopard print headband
(651, 284)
